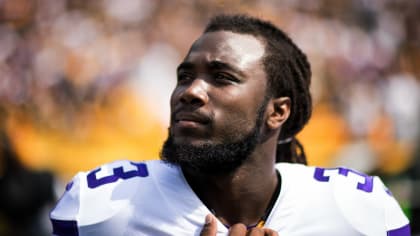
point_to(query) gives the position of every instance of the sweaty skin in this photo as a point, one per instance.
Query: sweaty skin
(222, 81)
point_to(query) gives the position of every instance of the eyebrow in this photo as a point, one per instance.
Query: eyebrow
(185, 65)
(218, 65)
(213, 65)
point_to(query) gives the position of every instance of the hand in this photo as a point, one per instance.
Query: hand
(210, 229)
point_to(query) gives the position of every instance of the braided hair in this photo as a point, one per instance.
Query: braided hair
(288, 72)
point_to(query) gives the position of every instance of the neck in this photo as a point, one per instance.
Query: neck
(241, 196)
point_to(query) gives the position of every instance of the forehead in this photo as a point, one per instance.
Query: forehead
(240, 50)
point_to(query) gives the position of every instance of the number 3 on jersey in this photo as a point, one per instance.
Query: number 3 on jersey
(118, 173)
(366, 186)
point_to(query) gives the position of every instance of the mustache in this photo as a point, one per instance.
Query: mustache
(186, 113)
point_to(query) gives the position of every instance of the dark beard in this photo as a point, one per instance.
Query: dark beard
(214, 158)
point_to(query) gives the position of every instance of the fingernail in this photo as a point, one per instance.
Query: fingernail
(208, 218)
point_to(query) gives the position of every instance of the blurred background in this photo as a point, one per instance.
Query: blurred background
(87, 82)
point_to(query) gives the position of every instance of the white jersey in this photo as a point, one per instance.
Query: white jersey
(153, 198)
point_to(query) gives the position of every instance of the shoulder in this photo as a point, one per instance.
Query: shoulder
(363, 200)
(338, 179)
(99, 195)
(113, 174)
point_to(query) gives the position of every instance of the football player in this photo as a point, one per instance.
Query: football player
(241, 97)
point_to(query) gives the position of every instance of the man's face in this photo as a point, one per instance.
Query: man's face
(219, 97)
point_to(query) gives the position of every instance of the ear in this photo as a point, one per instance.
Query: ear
(278, 112)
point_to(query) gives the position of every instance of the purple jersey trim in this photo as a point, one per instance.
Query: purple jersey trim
(65, 227)
(403, 231)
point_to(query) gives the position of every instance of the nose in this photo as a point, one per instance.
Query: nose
(195, 94)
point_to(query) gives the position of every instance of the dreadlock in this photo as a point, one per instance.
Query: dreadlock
(288, 72)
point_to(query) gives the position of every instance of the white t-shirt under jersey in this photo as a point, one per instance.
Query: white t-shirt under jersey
(153, 198)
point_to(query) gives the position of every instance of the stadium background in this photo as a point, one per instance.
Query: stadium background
(87, 82)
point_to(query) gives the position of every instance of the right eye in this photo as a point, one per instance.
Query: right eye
(184, 77)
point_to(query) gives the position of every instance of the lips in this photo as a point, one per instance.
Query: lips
(192, 117)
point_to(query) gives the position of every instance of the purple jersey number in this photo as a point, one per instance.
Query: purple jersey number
(118, 173)
(367, 185)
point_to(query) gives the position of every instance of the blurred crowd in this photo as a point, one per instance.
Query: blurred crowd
(86, 82)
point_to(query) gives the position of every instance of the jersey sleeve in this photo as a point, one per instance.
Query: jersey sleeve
(99, 202)
(368, 205)
(64, 215)
(395, 220)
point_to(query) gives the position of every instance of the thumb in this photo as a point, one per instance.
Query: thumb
(210, 227)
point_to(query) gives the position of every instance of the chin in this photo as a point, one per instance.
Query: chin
(192, 141)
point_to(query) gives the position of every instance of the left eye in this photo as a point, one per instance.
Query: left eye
(225, 77)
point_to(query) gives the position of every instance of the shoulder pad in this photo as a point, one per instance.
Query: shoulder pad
(95, 196)
(363, 200)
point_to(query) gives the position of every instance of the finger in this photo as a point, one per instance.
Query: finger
(270, 232)
(256, 232)
(237, 230)
(210, 227)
